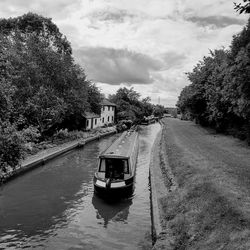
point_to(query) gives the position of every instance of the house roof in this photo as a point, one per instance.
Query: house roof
(89, 115)
(106, 102)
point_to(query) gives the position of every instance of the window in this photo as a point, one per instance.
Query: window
(115, 168)
(125, 166)
(112, 118)
(108, 118)
(103, 108)
(103, 120)
(109, 108)
(102, 167)
(87, 123)
(95, 121)
(113, 108)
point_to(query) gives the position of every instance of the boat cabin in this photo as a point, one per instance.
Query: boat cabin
(116, 168)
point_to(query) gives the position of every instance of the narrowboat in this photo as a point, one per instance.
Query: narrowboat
(148, 120)
(117, 166)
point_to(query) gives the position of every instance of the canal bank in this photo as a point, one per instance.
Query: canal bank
(44, 156)
(162, 182)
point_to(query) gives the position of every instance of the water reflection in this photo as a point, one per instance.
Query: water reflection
(115, 210)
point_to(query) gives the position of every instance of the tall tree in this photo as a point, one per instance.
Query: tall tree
(37, 59)
(129, 105)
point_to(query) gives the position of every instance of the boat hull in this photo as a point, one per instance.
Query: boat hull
(115, 192)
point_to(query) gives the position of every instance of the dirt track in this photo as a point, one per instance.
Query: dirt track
(210, 208)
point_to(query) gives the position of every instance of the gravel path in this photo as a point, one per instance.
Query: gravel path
(210, 208)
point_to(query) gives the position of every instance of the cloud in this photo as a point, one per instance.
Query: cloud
(111, 15)
(173, 59)
(56, 8)
(149, 42)
(115, 66)
(216, 21)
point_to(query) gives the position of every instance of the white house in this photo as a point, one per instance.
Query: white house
(107, 113)
(107, 116)
(92, 120)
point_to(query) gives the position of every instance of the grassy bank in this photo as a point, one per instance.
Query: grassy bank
(209, 206)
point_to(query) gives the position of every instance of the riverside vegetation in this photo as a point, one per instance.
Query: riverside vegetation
(219, 93)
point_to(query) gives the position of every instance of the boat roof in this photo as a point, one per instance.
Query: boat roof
(122, 147)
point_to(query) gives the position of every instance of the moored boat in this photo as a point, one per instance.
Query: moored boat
(148, 120)
(117, 166)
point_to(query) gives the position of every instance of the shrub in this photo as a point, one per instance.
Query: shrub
(61, 134)
(123, 125)
(31, 134)
(77, 134)
(64, 134)
(11, 146)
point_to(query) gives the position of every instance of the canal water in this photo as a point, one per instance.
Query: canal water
(54, 206)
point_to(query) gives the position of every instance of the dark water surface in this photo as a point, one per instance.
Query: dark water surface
(54, 207)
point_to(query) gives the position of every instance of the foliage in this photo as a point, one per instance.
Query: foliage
(94, 98)
(243, 8)
(159, 110)
(11, 146)
(61, 134)
(41, 88)
(123, 125)
(219, 93)
(31, 134)
(129, 105)
(42, 28)
(50, 90)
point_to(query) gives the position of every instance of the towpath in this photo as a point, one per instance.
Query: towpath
(210, 206)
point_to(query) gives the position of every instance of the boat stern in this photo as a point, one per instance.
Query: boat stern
(113, 187)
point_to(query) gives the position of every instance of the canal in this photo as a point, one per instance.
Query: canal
(54, 207)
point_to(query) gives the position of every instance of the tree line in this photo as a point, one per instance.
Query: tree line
(42, 89)
(130, 106)
(219, 93)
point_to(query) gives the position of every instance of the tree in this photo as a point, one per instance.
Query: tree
(42, 28)
(94, 98)
(11, 146)
(158, 110)
(6, 99)
(129, 105)
(147, 106)
(42, 89)
(36, 58)
(219, 93)
(45, 109)
(243, 8)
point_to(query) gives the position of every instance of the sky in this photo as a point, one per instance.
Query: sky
(145, 44)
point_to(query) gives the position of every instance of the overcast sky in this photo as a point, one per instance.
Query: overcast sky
(146, 44)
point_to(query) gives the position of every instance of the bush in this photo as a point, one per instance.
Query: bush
(61, 134)
(31, 134)
(77, 134)
(123, 125)
(11, 146)
(64, 134)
